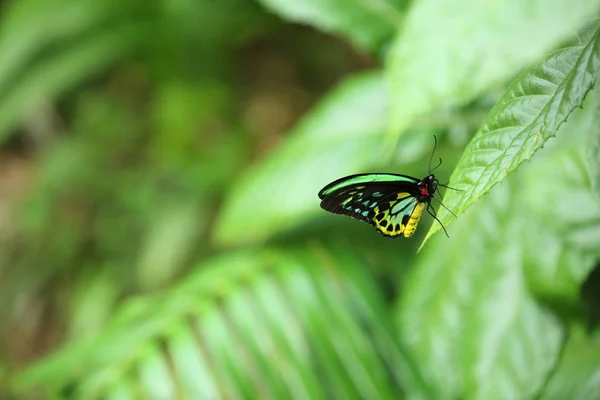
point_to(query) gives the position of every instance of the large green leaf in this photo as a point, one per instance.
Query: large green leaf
(271, 324)
(529, 113)
(566, 243)
(86, 36)
(470, 311)
(28, 26)
(368, 24)
(568, 235)
(50, 77)
(578, 374)
(594, 146)
(341, 136)
(468, 317)
(447, 52)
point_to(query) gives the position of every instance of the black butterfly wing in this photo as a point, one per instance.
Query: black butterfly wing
(389, 205)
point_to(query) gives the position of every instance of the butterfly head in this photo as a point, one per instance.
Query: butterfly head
(427, 187)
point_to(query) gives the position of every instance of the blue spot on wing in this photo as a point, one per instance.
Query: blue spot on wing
(402, 205)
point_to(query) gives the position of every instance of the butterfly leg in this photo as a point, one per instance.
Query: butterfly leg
(442, 204)
(451, 188)
(431, 212)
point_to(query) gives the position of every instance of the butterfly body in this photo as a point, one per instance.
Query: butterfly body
(392, 203)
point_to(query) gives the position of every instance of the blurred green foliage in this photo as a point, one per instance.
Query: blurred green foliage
(160, 227)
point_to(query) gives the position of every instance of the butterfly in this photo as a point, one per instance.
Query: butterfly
(392, 203)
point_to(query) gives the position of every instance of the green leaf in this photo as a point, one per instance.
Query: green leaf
(590, 299)
(29, 26)
(448, 52)
(569, 237)
(29, 78)
(367, 24)
(171, 238)
(470, 311)
(154, 374)
(467, 316)
(594, 146)
(93, 302)
(529, 113)
(296, 323)
(341, 136)
(578, 374)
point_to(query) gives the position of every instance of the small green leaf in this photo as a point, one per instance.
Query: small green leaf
(94, 299)
(190, 365)
(530, 112)
(154, 375)
(170, 241)
(448, 52)
(367, 24)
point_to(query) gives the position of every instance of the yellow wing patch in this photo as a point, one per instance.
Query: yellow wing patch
(384, 224)
(392, 225)
(383, 220)
(413, 221)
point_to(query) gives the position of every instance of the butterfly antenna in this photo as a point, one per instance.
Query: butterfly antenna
(451, 188)
(431, 156)
(436, 167)
(432, 152)
(429, 211)
(447, 209)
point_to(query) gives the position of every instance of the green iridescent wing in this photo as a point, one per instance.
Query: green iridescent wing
(386, 201)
